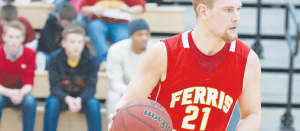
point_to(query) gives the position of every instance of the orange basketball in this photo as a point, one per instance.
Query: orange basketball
(142, 115)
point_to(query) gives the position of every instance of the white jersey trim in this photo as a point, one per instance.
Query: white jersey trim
(185, 39)
(232, 46)
(158, 92)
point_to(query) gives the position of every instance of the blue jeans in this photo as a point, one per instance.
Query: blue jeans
(54, 106)
(99, 30)
(28, 107)
(82, 20)
(235, 118)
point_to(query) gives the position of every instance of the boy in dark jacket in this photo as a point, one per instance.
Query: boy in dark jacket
(51, 35)
(73, 76)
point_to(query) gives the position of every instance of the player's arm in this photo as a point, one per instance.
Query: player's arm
(250, 99)
(150, 72)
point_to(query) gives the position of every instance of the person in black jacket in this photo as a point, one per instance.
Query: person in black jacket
(73, 76)
(51, 33)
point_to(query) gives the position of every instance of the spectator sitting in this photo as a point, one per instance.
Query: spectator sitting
(17, 73)
(80, 19)
(102, 27)
(123, 60)
(51, 34)
(9, 13)
(73, 76)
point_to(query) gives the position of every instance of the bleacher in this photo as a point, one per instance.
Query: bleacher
(161, 19)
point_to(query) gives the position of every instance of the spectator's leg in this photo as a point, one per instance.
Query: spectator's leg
(4, 102)
(93, 115)
(82, 20)
(97, 30)
(51, 113)
(234, 118)
(112, 98)
(57, 5)
(118, 31)
(42, 60)
(47, 60)
(28, 112)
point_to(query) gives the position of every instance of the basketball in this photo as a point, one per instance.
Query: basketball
(142, 115)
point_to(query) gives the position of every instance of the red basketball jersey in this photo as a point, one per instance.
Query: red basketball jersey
(197, 100)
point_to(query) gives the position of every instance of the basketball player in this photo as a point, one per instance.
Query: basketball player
(202, 73)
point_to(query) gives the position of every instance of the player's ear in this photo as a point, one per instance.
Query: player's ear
(202, 11)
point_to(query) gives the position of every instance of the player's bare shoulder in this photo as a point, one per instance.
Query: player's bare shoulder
(156, 59)
(253, 69)
(253, 63)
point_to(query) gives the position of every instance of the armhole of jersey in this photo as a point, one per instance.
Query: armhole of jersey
(245, 70)
(158, 92)
(168, 58)
(231, 115)
(242, 49)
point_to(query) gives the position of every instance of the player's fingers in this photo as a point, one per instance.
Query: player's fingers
(112, 116)
(109, 126)
(116, 111)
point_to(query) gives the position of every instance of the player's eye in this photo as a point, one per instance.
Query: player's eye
(228, 10)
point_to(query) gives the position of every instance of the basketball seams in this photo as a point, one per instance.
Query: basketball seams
(152, 108)
(122, 121)
(159, 110)
(137, 118)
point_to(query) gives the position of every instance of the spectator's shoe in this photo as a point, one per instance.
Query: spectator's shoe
(102, 67)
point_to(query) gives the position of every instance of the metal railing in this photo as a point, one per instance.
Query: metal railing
(287, 118)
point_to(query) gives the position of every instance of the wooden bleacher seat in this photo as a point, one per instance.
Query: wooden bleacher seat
(68, 121)
(161, 19)
(164, 19)
(35, 12)
(41, 87)
(168, 0)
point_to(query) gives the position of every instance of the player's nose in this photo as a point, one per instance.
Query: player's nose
(236, 16)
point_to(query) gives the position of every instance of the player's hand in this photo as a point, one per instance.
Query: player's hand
(112, 117)
(118, 106)
(124, 8)
(97, 11)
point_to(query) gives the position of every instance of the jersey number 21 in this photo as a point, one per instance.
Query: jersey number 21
(193, 116)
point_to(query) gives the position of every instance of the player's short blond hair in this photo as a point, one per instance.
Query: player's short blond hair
(14, 24)
(208, 3)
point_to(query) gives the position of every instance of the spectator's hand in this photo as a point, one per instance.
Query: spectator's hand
(72, 104)
(97, 11)
(124, 8)
(78, 101)
(72, 107)
(16, 96)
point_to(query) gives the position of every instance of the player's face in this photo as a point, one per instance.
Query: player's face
(223, 19)
(74, 44)
(140, 39)
(13, 39)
